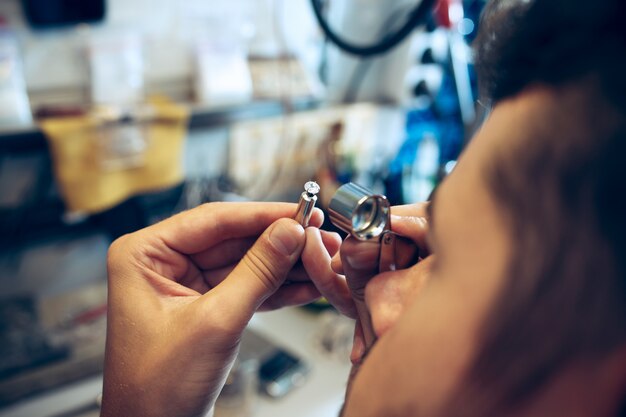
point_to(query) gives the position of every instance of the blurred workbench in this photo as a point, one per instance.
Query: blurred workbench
(295, 329)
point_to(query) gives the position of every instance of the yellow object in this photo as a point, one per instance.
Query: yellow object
(87, 180)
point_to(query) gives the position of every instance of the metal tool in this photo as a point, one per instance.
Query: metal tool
(366, 216)
(306, 204)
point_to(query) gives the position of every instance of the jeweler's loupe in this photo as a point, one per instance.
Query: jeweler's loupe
(367, 217)
(360, 212)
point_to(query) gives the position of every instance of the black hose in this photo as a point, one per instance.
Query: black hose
(418, 16)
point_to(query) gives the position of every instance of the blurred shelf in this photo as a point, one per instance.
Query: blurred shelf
(43, 219)
(30, 138)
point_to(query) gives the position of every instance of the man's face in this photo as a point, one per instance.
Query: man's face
(415, 367)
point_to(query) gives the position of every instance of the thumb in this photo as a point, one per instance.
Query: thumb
(262, 270)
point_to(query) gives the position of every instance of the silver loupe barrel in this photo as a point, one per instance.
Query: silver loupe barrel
(360, 212)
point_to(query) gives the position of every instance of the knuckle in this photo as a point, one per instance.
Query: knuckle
(122, 252)
(262, 270)
(117, 249)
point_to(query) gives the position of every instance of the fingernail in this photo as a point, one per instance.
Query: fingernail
(286, 238)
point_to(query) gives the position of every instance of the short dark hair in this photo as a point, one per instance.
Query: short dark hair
(563, 195)
(524, 42)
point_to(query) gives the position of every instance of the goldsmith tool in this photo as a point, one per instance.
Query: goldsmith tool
(367, 217)
(306, 204)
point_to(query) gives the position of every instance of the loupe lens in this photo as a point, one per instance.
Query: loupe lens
(364, 216)
(370, 218)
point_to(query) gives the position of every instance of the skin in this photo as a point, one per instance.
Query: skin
(433, 322)
(428, 318)
(182, 291)
(179, 297)
(169, 274)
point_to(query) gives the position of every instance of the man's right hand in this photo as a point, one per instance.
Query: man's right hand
(381, 298)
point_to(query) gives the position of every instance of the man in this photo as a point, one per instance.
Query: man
(519, 311)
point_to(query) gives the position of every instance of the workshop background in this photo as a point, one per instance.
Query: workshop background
(115, 114)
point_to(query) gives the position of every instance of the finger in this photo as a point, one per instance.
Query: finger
(299, 291)
(360, 263)
(214, 277)
(404, 228)
(411, 210)
(158, 265)
(389, 294)
(261, 271)
(196, 282)
(407, 253)
(316, 261)
(413, 228)
(203, 227)
(297, 274)
(232, 250)
(291, 295)
(386, 310)
(411, 221)
(332, 241)
(336, 265)
(333, 251)
(223, 253)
